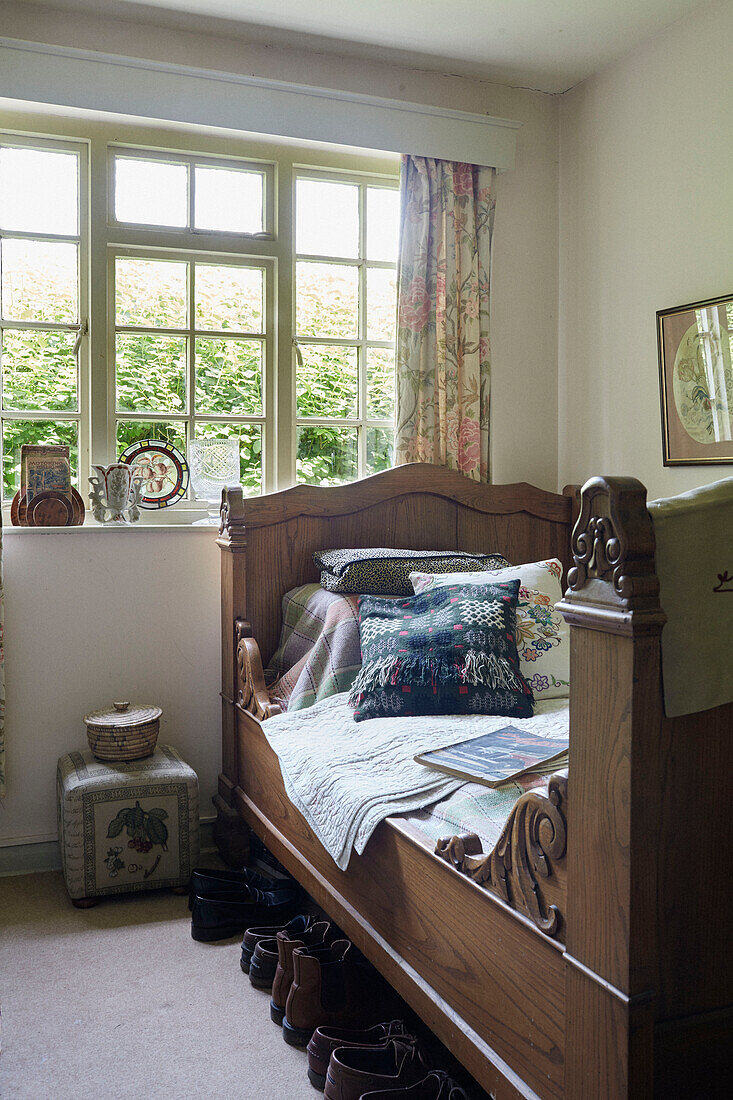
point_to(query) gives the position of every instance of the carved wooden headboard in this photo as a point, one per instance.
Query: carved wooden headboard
(418, 506)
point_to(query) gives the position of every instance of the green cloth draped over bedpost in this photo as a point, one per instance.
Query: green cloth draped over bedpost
(443, 366)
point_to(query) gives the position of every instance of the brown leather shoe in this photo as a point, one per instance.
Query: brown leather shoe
(438, 1085)
(326, 1039)
(328, 990)
(354, 1071)
(318, 934)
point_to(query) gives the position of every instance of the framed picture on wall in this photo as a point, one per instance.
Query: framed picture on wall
(696, 382)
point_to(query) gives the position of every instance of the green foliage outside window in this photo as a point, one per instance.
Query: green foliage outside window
(326, 455)
(39, 374)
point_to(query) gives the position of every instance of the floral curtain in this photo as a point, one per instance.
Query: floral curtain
(443, 359)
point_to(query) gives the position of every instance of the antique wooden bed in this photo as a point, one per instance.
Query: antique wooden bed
(589, 958)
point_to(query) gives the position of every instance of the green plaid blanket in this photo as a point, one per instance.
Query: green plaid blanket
(474, 808)
(319, 652)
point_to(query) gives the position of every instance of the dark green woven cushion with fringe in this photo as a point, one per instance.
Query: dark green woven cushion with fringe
(385, 571)
(449, 650)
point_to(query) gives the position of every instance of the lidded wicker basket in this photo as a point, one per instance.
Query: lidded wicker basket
(128, 731)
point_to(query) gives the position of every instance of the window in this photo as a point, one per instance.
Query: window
(190, 341)
(179, 286)
(43, 259)
(345, 297)
(187, 192)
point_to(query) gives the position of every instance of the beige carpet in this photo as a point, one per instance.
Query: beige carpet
(118, 1001)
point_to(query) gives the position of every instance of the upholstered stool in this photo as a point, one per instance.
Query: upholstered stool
(126, 826)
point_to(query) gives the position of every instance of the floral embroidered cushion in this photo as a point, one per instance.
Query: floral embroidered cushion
(383, 571)
(451, 650)
(543, 639)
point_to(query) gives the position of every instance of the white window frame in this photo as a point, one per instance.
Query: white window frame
(272, 249)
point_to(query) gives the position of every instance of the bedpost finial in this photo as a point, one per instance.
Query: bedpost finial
(613, 551)
(232, 530)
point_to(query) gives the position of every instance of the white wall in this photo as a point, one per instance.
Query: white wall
(95, 614)
(91, 614)
(646, 190)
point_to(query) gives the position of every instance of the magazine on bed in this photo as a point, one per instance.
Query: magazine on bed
(497, 757)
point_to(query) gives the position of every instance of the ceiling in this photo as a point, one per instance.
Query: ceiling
(548, 45)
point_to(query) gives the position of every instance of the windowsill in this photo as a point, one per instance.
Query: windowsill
(180, 520)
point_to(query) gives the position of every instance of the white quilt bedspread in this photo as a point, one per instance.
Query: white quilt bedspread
(345, 777)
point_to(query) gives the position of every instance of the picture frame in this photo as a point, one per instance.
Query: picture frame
(695, 345)
(44, 467)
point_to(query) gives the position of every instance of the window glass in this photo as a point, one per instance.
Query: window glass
(151, 293)
(40, 281)
(327, 298)
(150, 373)
(328, 381)
(132, 431)
(230, 298)
(39, 370)
(380, 449)
(151, 192)
(327, 218)
(380, 383)
(327, 455)
(226, 371)
(381, 303)
(229, 200)
(383, 223)
(27, 176)
(229, 376)
(345, 323)
(40, 294)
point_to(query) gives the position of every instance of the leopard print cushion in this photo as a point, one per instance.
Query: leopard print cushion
(381, 571)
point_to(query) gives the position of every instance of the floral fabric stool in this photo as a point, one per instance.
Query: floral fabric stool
(126, 826)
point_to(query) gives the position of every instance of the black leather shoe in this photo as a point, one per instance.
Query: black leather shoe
(252, 937)
(264, 964)
(219, 916)
(206, 881)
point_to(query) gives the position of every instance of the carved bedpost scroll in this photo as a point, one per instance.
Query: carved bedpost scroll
(613, 578)
(252, 694)
(526, 867)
